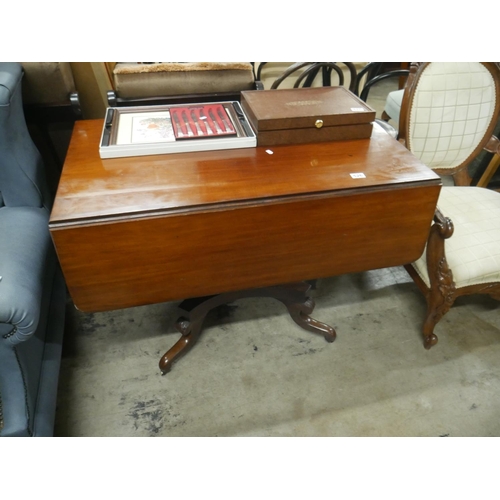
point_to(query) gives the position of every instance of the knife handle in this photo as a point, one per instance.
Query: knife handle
(189, 121)
(211, 124)
(180, 121)
(199, 121)
(225, 118)
(215, 113)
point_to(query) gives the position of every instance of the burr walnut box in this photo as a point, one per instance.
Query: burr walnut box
(297, 116)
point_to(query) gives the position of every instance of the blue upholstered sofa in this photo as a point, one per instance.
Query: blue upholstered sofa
(32, 289)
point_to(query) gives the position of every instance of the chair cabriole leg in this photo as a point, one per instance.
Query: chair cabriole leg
(442, 290)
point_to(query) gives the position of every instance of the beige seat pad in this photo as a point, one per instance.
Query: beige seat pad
(473, 251)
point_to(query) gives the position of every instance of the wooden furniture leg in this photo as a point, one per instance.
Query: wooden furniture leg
(294, 296)
(442, 292)
(462, 177)
(489, 172)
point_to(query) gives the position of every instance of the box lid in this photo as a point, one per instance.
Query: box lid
(301, 108)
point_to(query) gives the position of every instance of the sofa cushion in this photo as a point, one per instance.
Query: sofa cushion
(134, 80)
(24, 249)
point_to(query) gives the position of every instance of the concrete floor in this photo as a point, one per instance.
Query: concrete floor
(254, 372)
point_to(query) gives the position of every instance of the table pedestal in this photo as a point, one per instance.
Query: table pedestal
(294, 296)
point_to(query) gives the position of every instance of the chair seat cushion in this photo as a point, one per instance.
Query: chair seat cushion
(473, 251)
(393, 104)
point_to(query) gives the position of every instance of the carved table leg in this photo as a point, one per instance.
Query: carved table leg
(294, 296)
(190, 325)
(190, 332)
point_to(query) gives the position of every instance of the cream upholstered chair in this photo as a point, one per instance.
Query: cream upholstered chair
(392, 108)
(450, 121)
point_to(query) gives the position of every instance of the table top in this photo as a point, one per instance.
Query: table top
(92, 188)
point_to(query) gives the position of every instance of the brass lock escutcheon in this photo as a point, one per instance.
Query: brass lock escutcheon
(318, 124)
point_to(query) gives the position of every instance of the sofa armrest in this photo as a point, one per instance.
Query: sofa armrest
(24, 248)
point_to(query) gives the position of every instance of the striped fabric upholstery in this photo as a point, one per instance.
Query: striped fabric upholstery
(473, 251)
(451, 111)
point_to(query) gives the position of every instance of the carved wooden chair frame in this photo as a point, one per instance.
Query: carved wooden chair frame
(442, 292)
(489, 142)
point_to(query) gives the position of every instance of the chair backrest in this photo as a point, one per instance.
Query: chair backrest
(306, 72)
(22, 173)
(47, 83)
(373, 73)
(449, 112)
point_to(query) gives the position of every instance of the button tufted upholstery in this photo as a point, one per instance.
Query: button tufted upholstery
(32, 288)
